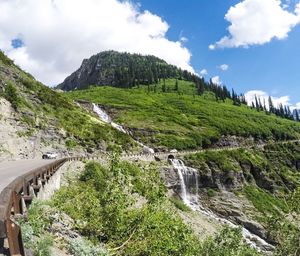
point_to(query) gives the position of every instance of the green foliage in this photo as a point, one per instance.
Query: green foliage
(185, 121)
(102, 203)
(11, 95)
(180, 205)
(265, 202)
(34, 230)
(229, 242)
(82, 247)
(71, 143)
(211, 192)
(29, 120)
(5, 60)
(43, 246)
(285, 229)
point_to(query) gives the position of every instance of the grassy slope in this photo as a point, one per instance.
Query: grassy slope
(183, 120)
(40, 106)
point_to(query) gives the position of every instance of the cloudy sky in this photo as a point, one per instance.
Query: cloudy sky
(251, 45)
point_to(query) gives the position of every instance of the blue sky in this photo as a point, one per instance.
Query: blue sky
(272, 67)
(256, 41)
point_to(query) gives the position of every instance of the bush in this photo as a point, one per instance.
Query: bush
(229, 242)
(180, 205)
(211, 192)
(82, 247)
(11, 95)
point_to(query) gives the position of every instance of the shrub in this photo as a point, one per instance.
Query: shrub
(180, 205)
(11, 95)
(211, 192)
(81, 247)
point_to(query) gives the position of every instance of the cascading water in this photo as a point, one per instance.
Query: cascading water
(106, 118)
(189, 193)
(188, 182)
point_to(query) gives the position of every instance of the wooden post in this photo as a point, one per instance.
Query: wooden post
(14, 236)
(17, 203)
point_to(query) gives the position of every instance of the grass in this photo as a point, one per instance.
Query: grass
(265, 202)
(180, 205)
(183, 120)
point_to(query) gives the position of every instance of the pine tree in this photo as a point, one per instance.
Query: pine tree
(297, 115)
(257, 103)
(271, 105)
(265, 107)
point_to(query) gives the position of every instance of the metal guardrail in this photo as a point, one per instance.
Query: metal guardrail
(15, 197)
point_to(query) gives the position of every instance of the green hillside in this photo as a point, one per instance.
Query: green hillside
(38, 107)
(182, 120)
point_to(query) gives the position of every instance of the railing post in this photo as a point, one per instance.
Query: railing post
(14, 235)
(17, 203)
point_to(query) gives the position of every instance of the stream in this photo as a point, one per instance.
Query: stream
(107, 119)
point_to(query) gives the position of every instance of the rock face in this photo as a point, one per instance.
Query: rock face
(119, 69)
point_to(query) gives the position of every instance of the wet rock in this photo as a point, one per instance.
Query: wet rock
(253, 226)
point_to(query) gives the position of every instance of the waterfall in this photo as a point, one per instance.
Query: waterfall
(188, 182)
(188, 178)
(107, 119)
(102, 114)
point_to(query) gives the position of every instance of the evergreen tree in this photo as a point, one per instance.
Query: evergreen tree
(264, 106)
(257, 103)
(297, 115)
(271, 105)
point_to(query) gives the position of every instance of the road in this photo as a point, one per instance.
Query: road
(10, 170)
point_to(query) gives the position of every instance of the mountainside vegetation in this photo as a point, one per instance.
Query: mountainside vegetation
(122, 209)
(40, 109)
(180, 119)
(269, 179)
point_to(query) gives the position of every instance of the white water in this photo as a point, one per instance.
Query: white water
(189, 179)
(106, 118)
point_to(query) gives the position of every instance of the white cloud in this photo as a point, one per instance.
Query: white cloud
(204, 72)
(224, 67)
(59, 34)
(297, 105)
(216, 80)
(264, 96)
(256, 22)
(183, 39)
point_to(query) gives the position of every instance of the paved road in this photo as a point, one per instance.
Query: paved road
(10, 170)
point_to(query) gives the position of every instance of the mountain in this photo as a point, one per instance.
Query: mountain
(121, 70)
(34, 119)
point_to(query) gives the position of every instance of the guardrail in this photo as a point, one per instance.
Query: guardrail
(16, 196)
